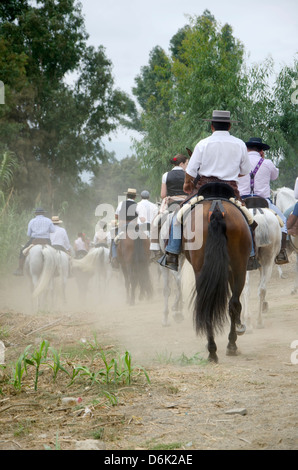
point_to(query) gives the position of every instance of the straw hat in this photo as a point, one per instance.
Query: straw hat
(131, 191)
(56, 220)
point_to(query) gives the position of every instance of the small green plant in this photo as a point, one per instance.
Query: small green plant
(57, 363)
(21, 367)
(36, 359)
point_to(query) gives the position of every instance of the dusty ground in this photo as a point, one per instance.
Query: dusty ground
(185, 405)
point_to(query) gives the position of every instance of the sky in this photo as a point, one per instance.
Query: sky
(130, 29)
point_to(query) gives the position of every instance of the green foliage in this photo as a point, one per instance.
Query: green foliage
(55, 129)
(206, 71)
(115, 370)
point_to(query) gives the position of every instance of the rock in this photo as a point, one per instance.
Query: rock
(90, 444)
(237, 411)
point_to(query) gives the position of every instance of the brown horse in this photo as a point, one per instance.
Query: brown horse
(218, 251)
(133, 253)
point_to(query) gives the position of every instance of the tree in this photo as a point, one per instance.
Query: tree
(55, 129)
(175, 93)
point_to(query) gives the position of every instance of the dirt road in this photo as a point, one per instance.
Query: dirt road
(186, 406)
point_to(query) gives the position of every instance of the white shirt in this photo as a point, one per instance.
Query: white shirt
(80, 245)
(267, 172)
(221, 155)
(60, 237)
(296, 188)
(146, 210)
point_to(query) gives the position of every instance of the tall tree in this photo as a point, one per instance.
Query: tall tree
(203, 73)
(55, 129)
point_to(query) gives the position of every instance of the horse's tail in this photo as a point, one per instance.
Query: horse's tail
(48, 271)
(212, 286)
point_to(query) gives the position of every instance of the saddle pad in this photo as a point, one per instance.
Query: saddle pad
(26, 250)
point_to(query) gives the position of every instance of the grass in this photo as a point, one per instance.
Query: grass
(183, 360)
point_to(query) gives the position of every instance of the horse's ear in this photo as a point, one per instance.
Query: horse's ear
(189, 152)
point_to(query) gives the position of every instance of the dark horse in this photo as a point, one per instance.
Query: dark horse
(219, 265)
(133, 253)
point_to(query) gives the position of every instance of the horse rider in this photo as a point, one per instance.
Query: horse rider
(59, 238)
(81, 247)
(292, 222)
(147, 211)
(126, 213)
(39, 232)
(220, 157)
(101, 236)
(171, 193)
(257, 183)
(172, 182)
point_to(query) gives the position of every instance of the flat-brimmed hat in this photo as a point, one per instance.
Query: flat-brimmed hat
(131, 191)
(220, 116)
(257, 142)
(56, 220)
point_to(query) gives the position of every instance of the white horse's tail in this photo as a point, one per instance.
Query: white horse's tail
(88, 263)
(48, 271)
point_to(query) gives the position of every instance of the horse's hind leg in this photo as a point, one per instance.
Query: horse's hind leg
(236, 326)
(212, 348)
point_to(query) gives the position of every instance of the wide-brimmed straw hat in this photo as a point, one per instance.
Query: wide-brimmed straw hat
(220, 116)
(258, 143)
(56, 220)
(131, 191)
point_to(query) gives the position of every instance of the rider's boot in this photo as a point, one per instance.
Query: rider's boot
(169, 260)
(253, 263)
(282, 257)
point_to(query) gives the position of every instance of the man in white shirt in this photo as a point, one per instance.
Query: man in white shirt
(146, 209)
(59, 238)
(257, 183)
(220, 157)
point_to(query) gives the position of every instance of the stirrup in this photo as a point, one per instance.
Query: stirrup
(252, 264)
(282, 257)
(163, 262)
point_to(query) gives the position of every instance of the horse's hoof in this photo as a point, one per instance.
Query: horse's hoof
(260, 326)
(166, 324)
(178, 317)
(232, 352)
(240, 329)
(213, 359)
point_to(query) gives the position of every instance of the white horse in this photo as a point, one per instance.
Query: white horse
(62, 275)
(285, 200)
(40, 267)
(170, 277)
(95, 263)
(268, 240)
